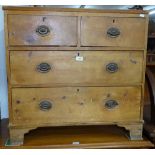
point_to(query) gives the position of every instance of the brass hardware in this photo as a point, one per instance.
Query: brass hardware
(112, 67)
(43, 67)
(113, 32)
(45, 105)
(43, 30)
(110, 104)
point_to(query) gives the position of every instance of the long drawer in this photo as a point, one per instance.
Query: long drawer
(113, 31)
(42, 30)
(81, 68)
(75, 105)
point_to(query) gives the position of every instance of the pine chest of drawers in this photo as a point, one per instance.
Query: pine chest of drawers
(71, 67)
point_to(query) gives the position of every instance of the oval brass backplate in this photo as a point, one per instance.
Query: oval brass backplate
(43, 67)
(112, 67)
(43, 30)
(45, 105)
(111, 104)
(113, 32)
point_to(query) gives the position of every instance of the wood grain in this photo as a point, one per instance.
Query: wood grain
(72, 10)
(93, 34)
(78, 48)
(75, 105)
(75, 32)
(65, 70)
(63, 30)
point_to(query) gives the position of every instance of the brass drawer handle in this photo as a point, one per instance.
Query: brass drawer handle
(112, 67)
(45, 105)
(43, 67)
(110, 104)
(43, 30)
(113, 32)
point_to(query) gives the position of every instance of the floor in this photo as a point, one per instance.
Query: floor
(76, 137)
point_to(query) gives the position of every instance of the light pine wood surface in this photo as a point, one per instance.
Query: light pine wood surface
(66, 70)
(77, 48)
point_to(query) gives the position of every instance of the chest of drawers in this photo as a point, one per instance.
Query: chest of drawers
(71, 67)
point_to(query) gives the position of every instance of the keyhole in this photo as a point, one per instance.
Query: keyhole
(113, 21)
(78, 54)
(44, 19)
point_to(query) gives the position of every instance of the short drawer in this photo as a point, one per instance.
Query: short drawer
(75, 105)
(113, 31)
(85, 68)
(42, 30)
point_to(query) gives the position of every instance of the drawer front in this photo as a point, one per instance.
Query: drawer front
(42, 30)
(85, 68)
(75, 105)
(115, 32)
